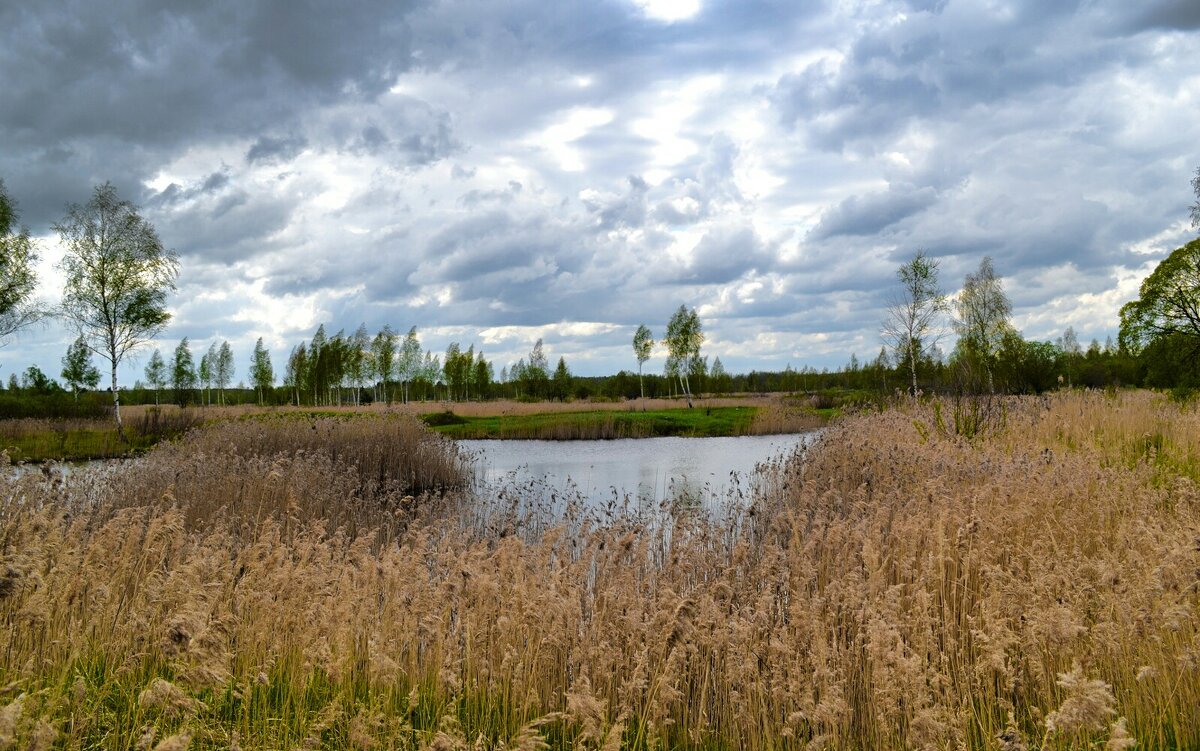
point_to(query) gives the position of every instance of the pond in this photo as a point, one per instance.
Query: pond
(637, 473)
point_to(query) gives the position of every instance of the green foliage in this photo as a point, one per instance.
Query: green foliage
(1168, 305)
(643, 345)
(562, 381)
(1169, 361)
(118, 274)
(18, 257)
(78, 371)
(69, 430)
(156, 373)
(183, 373)
(720, 381)
(205, 372)
(1026, 367)
(224, 369)
(33, 380)
(911, 324)
(383, 356)
(982, 324)
(262, 374)
(54, 405)
(683, 339)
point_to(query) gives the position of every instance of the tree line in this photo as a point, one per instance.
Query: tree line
(118, 274)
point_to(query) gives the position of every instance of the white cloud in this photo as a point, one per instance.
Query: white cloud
(669, 10)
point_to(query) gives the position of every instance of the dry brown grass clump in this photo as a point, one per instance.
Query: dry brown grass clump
(778, 416)
(388, 449)
(896, 588)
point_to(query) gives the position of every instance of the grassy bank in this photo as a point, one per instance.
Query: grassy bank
(711, 421)
(79, 439)
(1029, 585)
(39, 440)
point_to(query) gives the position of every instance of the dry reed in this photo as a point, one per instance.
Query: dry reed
(896, 587)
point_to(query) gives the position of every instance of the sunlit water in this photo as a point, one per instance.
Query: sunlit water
(632, 473)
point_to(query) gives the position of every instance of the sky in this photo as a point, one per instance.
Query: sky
(495, 172)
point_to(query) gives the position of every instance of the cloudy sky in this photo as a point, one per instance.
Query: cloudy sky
(499, 170)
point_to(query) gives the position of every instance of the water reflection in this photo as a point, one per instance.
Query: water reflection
(634, 474)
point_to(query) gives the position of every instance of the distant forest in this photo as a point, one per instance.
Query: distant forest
(1158, 346)
(1021, 367)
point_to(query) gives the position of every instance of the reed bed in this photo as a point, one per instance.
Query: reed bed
(897, 586)
(779, 416)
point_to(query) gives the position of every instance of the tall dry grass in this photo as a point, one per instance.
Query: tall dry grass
(778, 416)
(897, 587)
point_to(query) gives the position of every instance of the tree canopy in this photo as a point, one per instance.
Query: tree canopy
(911, 323)
(78, 371)
(983, 318)
(683, 339)
(1196, 205)
(118, 275)
(18, 256)
(643, 345)
(1168, 304)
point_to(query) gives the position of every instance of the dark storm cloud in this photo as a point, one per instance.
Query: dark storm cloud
(275, 148)
(113, 88)
(723, 255)
(871, 214)
(931, 65)
(218, 220)
(1181, 15)
(504, 270)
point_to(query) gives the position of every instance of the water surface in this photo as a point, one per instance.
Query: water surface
(633, 471)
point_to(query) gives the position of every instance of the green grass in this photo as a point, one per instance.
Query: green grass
(715, 421)
(35, 441)
(75, 445)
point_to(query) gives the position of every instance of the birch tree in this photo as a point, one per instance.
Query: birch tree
(223, 370)
(643, 345)
(118, 275)
(1195, 211)
(911, 325)
(683, 339)
(262, 374)
(383, 354)
(358, 360)
(208, 363)
(537, 371)
(156, 374)
(297, 367)
(983, 317)
(408, 365)
(183, 372)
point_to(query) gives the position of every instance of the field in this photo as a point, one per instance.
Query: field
(1008, 574)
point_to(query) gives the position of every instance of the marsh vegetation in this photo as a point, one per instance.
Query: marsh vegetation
(325, 583)
(81, 438)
